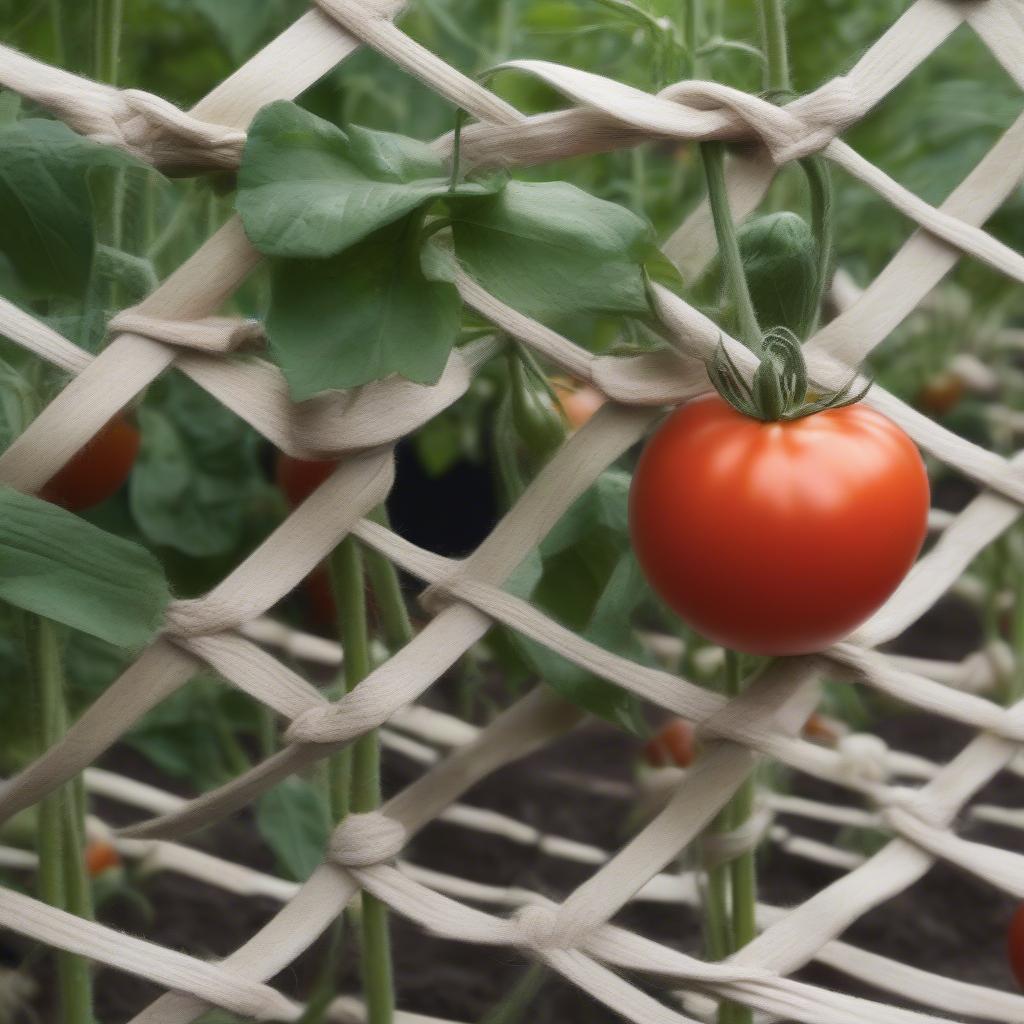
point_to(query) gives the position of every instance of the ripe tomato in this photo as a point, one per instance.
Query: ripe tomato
(99, 857)
(777, 538)
(98, 470)
(297, 479)
(671, 745)
(579, 402)
(1015, 945)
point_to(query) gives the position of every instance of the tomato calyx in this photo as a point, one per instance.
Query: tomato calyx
(779, 388)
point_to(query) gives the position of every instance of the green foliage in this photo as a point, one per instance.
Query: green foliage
(294, 820)
(196, 485)
(550, 249)
(47, 174)
(374, 310)
(57, 565)
(585, 576)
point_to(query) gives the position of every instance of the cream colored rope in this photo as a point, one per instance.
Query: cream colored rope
(172, 326)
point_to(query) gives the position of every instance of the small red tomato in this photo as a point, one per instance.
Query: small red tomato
(781, 537)
(579, 401)
(818, 728)
(941, 394)
(93, 474)
(1015, 945)
(297, 479)
(671, 745)
(100, 856)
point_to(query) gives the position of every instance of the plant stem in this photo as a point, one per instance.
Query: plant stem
(742, 869)
(514, 1006)
(713, 154)
(1015, 682)
(347, 562)
(394, 615)
(772, 17)
(819, 182)
(62, 879)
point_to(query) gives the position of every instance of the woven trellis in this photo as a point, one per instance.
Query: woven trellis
(575, 938)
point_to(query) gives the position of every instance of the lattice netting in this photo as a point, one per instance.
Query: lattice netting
(224, 629)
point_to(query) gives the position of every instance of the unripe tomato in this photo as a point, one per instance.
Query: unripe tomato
(1015, 945)
(93, 474)
(777, 538)
(941, 394)
(671, 745)
(297, 479)
(579, 401)
(100, 856)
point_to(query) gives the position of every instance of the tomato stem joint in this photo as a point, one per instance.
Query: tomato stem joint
(779, 387)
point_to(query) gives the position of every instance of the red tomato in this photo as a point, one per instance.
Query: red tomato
(1015, 945)
(99, 857)
(98, 470)
(777, 538)
(299, 478)
(672, 744)
(579, 402)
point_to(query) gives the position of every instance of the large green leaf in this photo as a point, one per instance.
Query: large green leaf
(293, 818)
(58, 565)
(46, 208)
(365, 314)
(551, 249)
(308, 189)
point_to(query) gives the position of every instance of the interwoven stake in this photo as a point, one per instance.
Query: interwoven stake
(916, 802)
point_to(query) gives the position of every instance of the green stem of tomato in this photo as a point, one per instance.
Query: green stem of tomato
(1015, 682)
(713, 154)
(350, 595)
(394, 615)
(772, 17)
(62, 879)
(819, 182)
(512, 1009)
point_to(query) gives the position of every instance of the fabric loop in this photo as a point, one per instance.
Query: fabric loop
(362, 840)
(212, 334)
(720, 848)
(540, 928)
(863, 756)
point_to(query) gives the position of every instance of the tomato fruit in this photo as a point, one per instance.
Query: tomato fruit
(297, 479)
(99, 469)
(579, 402)
(671, 745)
(941, 394)
(777, 537)
(818, 728)
(1015, 945)
(100, 857)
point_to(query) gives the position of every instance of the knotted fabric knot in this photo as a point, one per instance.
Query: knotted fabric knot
(166, 136)
(540, 928)
(722, 847)
(906, 811)
(212, 334)
(363, 840)
(863, 757)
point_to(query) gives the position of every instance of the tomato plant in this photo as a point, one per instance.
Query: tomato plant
(1015, 945)
(98, 470)
(777, 537)
(579, 401)
(941, 394)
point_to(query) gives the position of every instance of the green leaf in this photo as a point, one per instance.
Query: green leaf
(197, 485)
(780, 261)
(307, 189)
(46, 205)
(293, 818)
(57, 565)
(588, 580)
(365, 314)
(549, 249)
